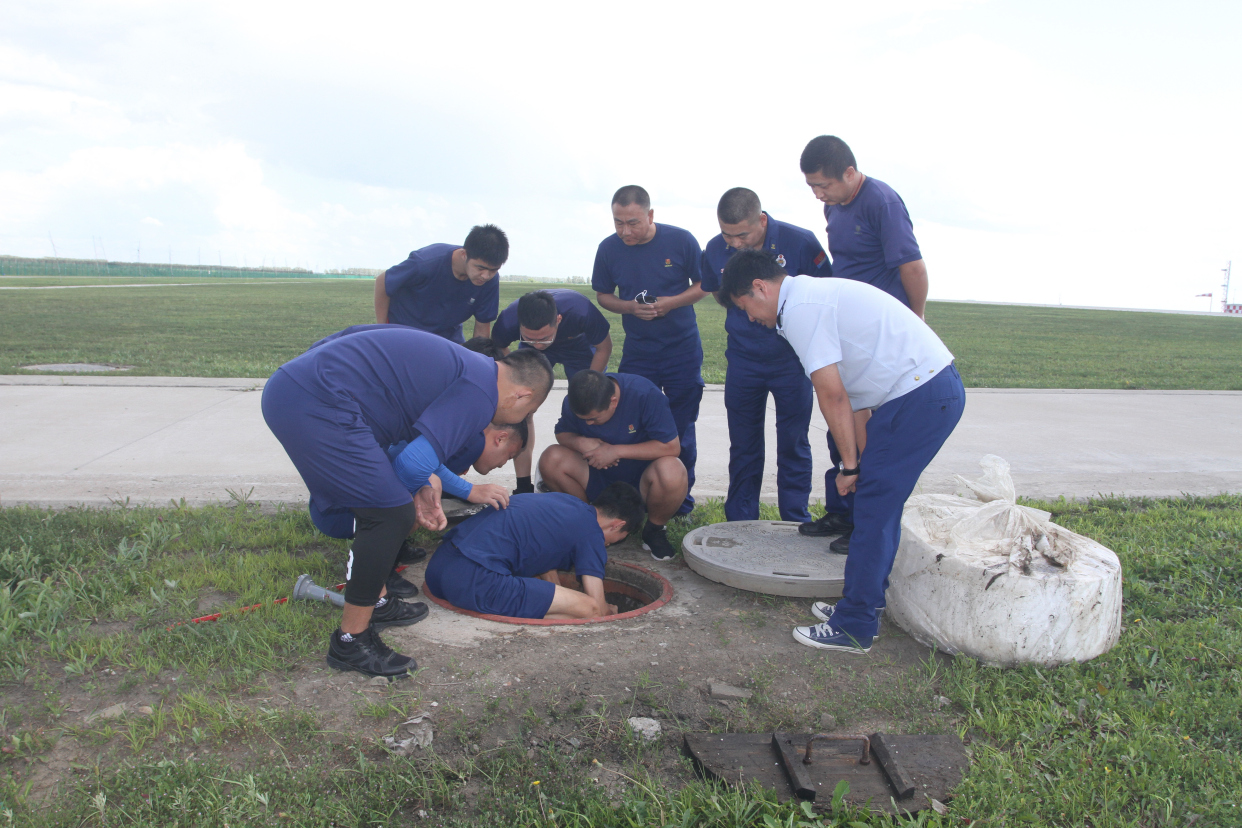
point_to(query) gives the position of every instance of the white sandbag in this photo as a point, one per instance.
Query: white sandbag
(1000, 582)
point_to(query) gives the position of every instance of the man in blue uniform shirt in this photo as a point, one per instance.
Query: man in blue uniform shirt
(649, 273)
(440, 286)
(619, 428)
(505, 562)
(336, 407)
(568, 328)
(864, 352)
(872, 240)
(761, 362)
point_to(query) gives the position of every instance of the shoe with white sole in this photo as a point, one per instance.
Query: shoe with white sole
(824, 637)
(823, 611)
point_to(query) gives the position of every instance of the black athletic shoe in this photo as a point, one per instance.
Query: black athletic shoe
(655, 541)
(396, 613)
(841, 546)
(399, 587)
(410, 554)
(368, 654)
(524, 486)
(832, 523)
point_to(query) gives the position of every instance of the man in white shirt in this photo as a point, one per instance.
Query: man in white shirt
(863, 351)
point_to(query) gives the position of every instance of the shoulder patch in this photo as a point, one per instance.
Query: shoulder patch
(819, 260)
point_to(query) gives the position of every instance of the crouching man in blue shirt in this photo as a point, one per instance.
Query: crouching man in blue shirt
(865, 352)
(619, 427)
(505, 562)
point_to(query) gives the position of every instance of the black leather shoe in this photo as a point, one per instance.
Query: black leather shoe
(396, 613)
(399, 587)
(410, 554)
(841, 546)
(369, 655)
(832, 523)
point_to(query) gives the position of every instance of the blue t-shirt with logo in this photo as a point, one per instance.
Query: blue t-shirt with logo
(795, 249)
(423, 293)
(665, 266)
(582, 327)
(535, 534)
(642, 414)
(401, 383)
(872, 237)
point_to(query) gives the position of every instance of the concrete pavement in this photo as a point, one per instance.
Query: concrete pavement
(94, 440)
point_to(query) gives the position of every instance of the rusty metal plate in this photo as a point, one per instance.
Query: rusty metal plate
(767, 556)
(932, 765)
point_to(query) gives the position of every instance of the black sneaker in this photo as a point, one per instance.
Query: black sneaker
(832, 523)
(396, 613)
(655, 541)
(841, 546)
(399, 587)
(410, 554)
(368, 654)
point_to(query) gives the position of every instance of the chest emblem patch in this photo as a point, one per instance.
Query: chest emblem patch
(668, 262)
(780, 259)
(632, 429)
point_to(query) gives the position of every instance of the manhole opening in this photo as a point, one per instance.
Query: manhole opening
(634, 589)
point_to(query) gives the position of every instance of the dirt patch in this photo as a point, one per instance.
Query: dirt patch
(212, 601)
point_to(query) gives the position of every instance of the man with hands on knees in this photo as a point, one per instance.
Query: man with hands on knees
(338, 406)
(507, 562)
(863, 351)
(619, 428)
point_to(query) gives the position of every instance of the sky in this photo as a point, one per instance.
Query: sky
(1082, 153)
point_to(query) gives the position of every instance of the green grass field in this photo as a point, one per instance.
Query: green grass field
(1147, 735)
(241, 328)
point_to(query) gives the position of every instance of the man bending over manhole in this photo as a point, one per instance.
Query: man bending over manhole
(619, 428)
(505, 562)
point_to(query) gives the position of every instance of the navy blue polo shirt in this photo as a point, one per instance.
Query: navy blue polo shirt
(665, 266)
(872, 237)
(642, 414)
(795, 249)
(402, 383)
(535, 534)
(423, 293)
(582, 327)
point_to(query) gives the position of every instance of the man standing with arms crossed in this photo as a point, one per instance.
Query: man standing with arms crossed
(649, 273)
(440, 286)
(871, 239)
(761, 362)
(863, 352)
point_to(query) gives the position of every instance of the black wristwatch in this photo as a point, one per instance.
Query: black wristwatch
(844, 472)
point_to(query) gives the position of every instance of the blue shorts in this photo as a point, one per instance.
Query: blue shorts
(627, 471)
(472, 586)
(332, 447)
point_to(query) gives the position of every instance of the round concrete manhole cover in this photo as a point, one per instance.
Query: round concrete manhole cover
(77, 367)
(767, 556)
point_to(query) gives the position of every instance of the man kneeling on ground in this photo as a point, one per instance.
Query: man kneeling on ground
(619, 428)
(505, 562)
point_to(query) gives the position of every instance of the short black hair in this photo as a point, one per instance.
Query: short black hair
(621, 500)
(737, 206)
(632, 194)
(519, 430)
(590, 391)
(530, 369)
(536, 310)
(827, 155)
(742, 269)
(484, 345)
(487, 243)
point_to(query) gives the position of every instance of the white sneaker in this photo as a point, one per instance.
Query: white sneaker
(823, 611)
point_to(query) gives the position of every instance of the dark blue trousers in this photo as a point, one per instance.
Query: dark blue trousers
(902, 438)
(747, 385)
(684, 390)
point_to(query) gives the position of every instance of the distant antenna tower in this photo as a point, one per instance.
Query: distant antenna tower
(1224, 289)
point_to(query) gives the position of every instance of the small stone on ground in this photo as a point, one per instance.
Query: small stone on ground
(648, 729)
(728, 692)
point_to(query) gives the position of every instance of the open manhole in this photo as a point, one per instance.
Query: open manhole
(77, 367)
(634, 589)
